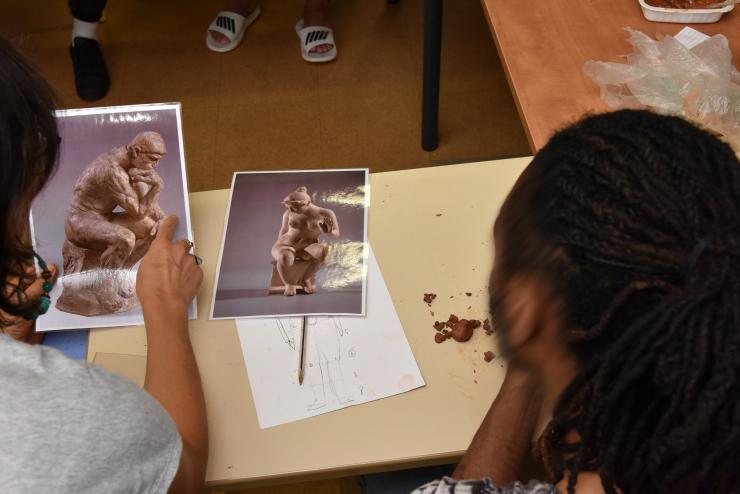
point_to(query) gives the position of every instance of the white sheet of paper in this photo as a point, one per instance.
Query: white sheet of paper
(690, 37)
(349, 360)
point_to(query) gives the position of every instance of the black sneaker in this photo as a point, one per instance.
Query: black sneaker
(91, 75)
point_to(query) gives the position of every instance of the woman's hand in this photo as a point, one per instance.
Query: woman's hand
(168, 277)
(19, 328)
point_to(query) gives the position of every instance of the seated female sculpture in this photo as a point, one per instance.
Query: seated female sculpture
(298, 240)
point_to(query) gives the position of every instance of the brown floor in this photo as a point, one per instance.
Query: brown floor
(262, 107)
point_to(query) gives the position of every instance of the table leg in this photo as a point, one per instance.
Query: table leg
(432, 55)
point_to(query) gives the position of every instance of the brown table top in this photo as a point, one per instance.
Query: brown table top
(544, 44)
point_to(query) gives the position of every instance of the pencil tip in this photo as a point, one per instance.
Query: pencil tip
(300, 377)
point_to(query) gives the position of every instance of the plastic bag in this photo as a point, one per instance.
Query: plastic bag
(699, 84)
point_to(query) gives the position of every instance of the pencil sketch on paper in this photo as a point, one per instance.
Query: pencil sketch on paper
(349, 360)
(324, 355)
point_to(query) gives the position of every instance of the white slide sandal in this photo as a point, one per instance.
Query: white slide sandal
(231, 25)
(313, 36)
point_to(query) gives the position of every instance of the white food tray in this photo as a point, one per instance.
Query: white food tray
(683, 16)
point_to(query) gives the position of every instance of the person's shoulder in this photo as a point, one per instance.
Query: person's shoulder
(51, 405)
(36, 372)
(448, 485)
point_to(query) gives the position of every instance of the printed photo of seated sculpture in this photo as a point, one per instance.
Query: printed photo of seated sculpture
(294, 244)
(111, 222)
(120, 173)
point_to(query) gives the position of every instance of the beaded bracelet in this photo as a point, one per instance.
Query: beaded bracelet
(44, 301)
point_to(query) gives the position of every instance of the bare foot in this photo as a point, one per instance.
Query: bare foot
(289, 290)
(316, 13)
(241, 7)
(309, 287)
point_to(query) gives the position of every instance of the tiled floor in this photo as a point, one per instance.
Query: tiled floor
(262, 107)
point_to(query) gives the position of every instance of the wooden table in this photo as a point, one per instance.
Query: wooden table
(431, 232)
(543, 46)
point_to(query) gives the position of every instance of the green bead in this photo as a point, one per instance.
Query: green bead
(44, 304)
(47, 287)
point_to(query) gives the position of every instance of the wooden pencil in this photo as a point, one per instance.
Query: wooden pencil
(302, 370)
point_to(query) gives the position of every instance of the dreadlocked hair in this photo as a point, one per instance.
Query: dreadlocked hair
(619, 203)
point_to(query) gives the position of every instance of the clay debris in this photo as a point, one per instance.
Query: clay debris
(429, 298)
(488, 356)
(461, 330)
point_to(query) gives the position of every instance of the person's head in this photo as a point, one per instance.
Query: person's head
(29, 143)
(146, 149)
(619, 249)
(298, 201)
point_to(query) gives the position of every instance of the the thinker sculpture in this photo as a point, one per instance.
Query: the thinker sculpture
(298, 255)
(111, 222)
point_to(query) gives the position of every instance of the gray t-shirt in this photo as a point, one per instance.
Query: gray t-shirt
(71, 427)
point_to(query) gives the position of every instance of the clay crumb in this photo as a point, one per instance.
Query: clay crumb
(429, 298)
(488, 356)
(431, 313)
(438, 214)
(439, 338)
(439, 325)
(475, 381)
(486, 325)
(469, 294)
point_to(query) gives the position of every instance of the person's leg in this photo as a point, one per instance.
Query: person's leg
(87, 10)
(241, 7)
(316, 13)
(318, 252)
(91, 75)
(284, 260)
(92, 231)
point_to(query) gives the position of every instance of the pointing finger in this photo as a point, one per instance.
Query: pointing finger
(166, 229)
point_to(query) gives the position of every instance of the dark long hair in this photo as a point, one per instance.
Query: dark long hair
(636, 222)
(29, 144)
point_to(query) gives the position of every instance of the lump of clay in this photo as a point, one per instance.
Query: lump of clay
(462, 331)
(429, 297)
(439, 325)
(439, 337)
(487, 327)
(488, 356)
